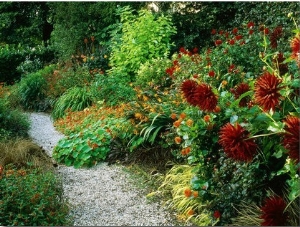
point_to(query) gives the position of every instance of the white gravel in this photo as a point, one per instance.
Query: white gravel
(102, 195)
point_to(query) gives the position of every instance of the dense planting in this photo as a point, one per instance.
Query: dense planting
(226, 115)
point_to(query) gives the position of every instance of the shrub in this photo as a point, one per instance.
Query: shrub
(13, 123)
(29, 197)
(113, 89)
(152, 74)
(133, 48)
(76, 98)
(66, 76)
(32, 90)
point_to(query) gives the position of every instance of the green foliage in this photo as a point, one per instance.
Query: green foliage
(13, 123)
(85, 148)
(152, 41)
(152, 74)
(74, 99)
(32, 90)
(24, 23)
(18, 60)
(113, 89)
(83, 20)
(31, 197)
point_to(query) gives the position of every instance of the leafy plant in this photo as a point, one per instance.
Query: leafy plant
(76, 98)
(31, 197)
(85, 148)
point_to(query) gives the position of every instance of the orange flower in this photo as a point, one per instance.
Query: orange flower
(191, 212)
(187, 192)
(217, 109)
(206, 118)
(22, 172)
(177, 123)
(177, 140)
(189, 122)
(195, 194)
(182, 115)
(173, 116)
(86, 40)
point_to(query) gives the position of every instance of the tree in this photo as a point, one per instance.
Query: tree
(24, 23)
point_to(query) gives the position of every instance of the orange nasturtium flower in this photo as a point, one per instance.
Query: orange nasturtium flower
(195, 194)
(206, 118)
(191, 212)
(177, 123)
(182, 115)
(187, 192)
(177, 140)
(173, 116)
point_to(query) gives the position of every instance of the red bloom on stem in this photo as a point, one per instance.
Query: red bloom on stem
(217, 214)
(238, 91)
(213, 31)
(188, 88)
(250, 24)
(205, 97)
(235, 31)
(170, 71)
(267, 89)
(231, 41)
(291, 137)
(251, 32)
(238, 37)
(231, 68)
(218, 42)
(266, 31)
(295, 45)
(236, 142)
(211, 73)
(195, 50)
(273, 212)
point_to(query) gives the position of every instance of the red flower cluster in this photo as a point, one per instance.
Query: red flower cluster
(238, 91)
(273, 212)
(200, 95)
(236, 142)
(291, 137)
(267, 89)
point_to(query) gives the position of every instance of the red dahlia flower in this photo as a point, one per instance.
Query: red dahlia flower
(273, 212)
(267, 89)
(218, 42)
(188, 88)
(275, 35)
(291, 137)
(238, 91)
(236, 142)
(205, 98)
(295, 45)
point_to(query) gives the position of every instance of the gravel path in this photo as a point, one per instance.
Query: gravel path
(102, 195)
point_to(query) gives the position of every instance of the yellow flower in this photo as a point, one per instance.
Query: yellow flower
(189, 122)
